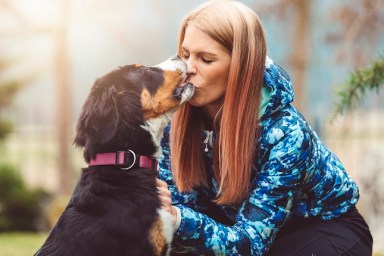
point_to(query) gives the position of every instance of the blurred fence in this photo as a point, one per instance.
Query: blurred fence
(33, 150)
(357, 139)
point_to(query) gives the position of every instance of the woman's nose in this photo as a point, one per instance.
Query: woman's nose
(191, 67)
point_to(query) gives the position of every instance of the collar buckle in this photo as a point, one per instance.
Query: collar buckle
(125, 160)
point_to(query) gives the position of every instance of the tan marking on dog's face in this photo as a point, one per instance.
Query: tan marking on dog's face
(163, 100)
(138, 65)
(157, 239)
(146, 99)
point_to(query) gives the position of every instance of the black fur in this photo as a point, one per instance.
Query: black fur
(111, 116)
(111, 210)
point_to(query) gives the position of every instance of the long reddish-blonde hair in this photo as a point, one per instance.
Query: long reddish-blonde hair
(237, 28)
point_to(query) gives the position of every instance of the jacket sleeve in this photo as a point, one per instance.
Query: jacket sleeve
(274, 190)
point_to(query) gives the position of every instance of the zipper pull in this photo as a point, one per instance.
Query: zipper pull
(206, 143)
(208, 139)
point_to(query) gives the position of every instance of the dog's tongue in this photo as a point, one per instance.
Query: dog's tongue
(179, 90)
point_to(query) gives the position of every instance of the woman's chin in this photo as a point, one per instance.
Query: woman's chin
(193, 102)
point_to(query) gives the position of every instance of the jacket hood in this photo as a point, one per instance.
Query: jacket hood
(279, 86)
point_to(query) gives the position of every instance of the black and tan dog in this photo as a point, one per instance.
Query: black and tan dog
(115, 209)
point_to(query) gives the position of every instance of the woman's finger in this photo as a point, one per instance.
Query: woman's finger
(164, 195)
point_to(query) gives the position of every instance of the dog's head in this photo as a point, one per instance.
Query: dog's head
(129, 108)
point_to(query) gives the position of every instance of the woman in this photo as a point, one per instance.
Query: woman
(246, 174)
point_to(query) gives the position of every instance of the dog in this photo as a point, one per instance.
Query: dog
(115, 208)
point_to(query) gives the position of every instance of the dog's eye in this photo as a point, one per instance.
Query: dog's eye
(145, 69)
(185, 56)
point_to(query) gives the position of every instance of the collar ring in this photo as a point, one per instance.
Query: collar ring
(125, 154)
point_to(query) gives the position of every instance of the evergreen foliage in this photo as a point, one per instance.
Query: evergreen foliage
(21, 208)
(361, 81)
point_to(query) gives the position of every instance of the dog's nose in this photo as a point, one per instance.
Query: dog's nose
(182, 88)
(178, 92)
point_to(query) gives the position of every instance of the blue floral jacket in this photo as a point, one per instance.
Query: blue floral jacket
(295, 175)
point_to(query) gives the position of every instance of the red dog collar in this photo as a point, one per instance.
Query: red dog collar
(125, 160)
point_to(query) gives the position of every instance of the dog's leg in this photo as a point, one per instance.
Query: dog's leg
(161, 233)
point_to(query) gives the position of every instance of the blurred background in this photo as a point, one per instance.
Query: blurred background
(51, 52)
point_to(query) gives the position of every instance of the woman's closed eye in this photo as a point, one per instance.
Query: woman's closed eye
(207, 61)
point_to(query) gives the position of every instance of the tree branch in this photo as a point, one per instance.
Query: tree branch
(363, 80)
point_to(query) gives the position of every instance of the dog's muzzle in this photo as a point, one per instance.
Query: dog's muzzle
(184, 92)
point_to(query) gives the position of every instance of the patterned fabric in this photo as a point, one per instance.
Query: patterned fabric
(294, 175)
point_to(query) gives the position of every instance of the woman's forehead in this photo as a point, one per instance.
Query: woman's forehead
(197, 41)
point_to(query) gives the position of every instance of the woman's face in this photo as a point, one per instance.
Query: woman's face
(208, 65)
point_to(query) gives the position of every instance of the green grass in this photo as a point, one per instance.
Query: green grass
(20, 244)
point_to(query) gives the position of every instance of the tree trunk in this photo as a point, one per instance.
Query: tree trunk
(64, 110)
(300, 53)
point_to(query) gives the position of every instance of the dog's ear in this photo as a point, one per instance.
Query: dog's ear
(98, 122)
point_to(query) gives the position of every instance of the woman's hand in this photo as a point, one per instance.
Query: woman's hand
(166, 199)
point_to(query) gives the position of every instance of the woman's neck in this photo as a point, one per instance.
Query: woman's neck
(209, 116)
(207, 121)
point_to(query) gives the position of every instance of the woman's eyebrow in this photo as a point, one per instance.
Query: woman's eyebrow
(200, 53)
(207, 54)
